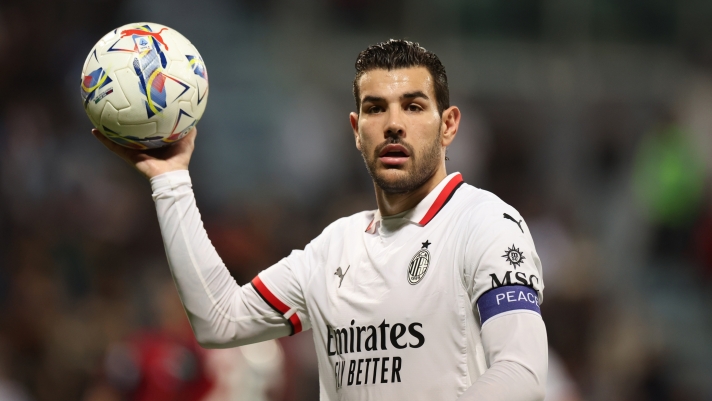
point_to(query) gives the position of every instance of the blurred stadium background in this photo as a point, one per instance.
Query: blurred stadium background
(592, 117)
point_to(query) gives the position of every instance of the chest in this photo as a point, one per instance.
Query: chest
(382, 309)
(411, 277)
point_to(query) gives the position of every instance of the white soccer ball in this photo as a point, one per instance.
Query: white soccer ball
(144, 85)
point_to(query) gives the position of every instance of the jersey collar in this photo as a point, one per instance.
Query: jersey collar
(422, 213)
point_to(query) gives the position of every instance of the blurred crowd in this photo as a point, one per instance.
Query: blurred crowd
(591, 117)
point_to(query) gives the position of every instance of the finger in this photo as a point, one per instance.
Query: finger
(104, 140)
(185, 144)
(190, 137)
(121, 151)
(192, 134)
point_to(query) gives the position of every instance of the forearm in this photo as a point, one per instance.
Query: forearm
(221, 312)
(517, 353)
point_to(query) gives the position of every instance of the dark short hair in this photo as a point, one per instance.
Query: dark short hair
(398, 53)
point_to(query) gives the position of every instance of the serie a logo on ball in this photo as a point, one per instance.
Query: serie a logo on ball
(144, 85)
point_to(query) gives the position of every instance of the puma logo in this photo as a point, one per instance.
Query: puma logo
(341, 274)
(519, 223)
(141, 32)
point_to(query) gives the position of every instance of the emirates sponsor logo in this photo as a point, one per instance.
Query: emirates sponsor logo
(369, 354)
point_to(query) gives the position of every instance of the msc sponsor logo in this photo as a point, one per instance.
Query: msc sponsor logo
(514, 256)
(531, 281)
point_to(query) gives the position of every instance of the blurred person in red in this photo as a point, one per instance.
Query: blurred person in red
(434, 295)
(157, 364)
(167, 364)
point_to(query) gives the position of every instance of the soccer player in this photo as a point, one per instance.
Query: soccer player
(433, 296)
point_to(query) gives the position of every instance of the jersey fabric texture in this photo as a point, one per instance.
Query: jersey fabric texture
(419, 305)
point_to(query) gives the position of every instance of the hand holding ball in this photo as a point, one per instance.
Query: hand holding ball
(144, 86)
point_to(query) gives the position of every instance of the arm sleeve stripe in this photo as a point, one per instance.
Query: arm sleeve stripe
(442, 198)
(276, 304)
(296, 323)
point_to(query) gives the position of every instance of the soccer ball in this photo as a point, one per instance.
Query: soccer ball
(144, 85)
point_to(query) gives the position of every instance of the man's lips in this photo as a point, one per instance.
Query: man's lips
(394, 154)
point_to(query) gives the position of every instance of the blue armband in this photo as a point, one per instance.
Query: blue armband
(507, 298)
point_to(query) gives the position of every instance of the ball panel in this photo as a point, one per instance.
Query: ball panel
(200, 100)
(139, 110)
(185, 121)
(177, 88)
(89, 86)
(94, 121)
(116, 95)
(138, 132)
(177, 43)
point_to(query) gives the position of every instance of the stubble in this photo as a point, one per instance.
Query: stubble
(421, 167)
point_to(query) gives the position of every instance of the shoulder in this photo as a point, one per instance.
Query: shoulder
(331, 240)
(357, 222)
(482, 211)
(499, 249)
(341, 229)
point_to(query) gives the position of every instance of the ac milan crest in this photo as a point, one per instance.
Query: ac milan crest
(419, 264)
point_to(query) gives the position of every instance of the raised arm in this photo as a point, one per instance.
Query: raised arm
(221, 313)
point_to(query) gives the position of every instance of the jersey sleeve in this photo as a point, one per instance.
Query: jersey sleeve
(221, 313)
(284, 285)
(503, 277)
(516, 351)
(281, 286)
(502, 269)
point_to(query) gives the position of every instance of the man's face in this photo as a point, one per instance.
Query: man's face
(398, 128)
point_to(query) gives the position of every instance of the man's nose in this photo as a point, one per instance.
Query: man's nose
(395, 125)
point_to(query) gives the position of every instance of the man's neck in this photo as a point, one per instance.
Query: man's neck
(390, 204)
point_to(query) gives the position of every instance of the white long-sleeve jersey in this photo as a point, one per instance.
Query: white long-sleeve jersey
(437, 303)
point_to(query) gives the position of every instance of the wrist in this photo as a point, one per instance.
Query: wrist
(151, 167)
(170, 180)
(151, 173)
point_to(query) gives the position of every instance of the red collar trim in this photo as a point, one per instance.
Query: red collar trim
(368, 229)
(442, 199)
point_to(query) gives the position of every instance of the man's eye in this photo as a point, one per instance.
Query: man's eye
(374, 109)
(414, 107)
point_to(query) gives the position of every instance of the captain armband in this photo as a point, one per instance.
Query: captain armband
(506, 299)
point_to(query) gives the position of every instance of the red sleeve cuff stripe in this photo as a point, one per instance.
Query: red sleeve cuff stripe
(296, 323)
(276, 304)
(442, 199)
(272, 300)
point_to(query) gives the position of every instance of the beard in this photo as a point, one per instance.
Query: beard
(421, 166)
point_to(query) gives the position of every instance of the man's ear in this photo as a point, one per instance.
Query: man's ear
(450, 124)
(353, 119)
